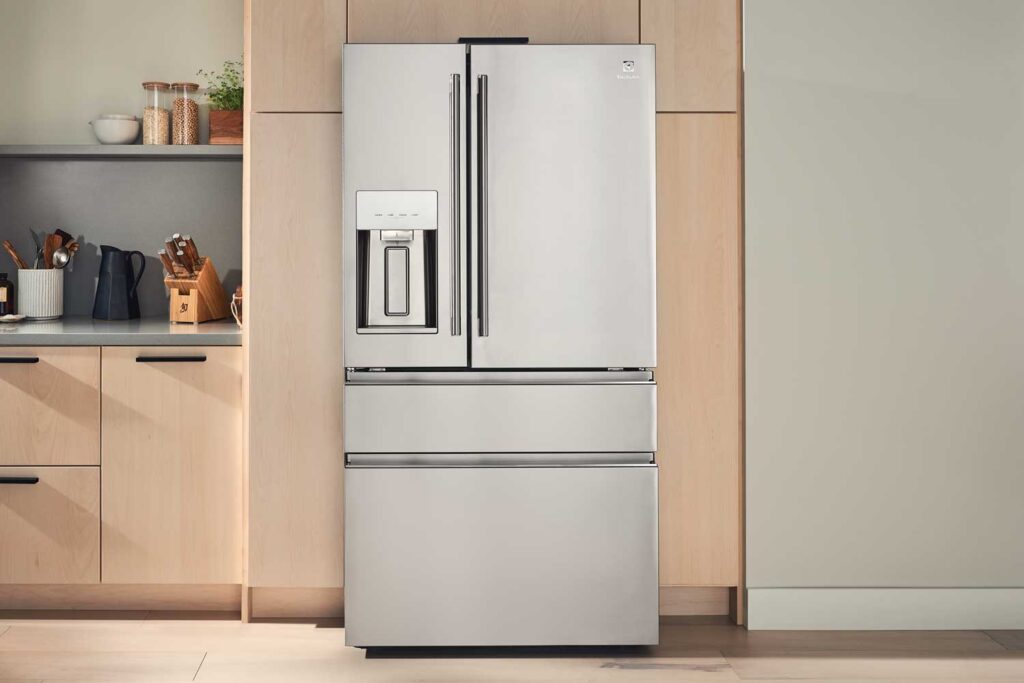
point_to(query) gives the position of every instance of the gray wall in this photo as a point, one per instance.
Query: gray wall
(67, 61)
(884, 290)
(129, 204)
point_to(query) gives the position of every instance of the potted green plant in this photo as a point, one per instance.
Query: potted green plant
(224, 93)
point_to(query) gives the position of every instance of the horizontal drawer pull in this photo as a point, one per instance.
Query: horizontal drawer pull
(171, 359)
(19, 480)
(20, 359)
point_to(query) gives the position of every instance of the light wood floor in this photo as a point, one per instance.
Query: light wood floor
(141, 646)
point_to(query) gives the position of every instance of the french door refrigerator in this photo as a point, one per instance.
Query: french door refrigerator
(499, 345)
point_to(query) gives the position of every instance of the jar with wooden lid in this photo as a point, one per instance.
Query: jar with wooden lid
(156, 120)
(185, 114)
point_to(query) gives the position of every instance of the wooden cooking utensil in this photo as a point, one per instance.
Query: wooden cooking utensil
(14, 255)
(65, 238)
(50, 245)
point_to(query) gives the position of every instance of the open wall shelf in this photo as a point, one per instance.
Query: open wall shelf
(169, 152)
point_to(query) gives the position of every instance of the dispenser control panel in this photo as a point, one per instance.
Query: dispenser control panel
(396, 210)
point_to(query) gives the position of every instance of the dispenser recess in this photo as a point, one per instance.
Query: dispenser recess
(397, 260)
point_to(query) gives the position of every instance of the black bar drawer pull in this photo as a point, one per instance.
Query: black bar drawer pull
(19, 359)
(19, 480)
(171, 359)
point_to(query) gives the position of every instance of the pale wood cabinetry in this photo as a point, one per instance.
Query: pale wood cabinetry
(50, 529)
(294, 61)
(697, 48)
(699, 328)
(50, 398)
(292, 248)
(172, 465)
(445, 21)
(292, 242)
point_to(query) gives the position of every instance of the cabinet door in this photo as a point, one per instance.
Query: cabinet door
(697, 45)
(49, 524)
(294, 51)
(172, 465)
(50, 403)
(699, 380)
(445, 21)
(293, 246)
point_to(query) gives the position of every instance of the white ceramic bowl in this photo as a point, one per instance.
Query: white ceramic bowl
(115, 131)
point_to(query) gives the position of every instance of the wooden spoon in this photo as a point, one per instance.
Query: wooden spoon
(14, 255)
(50, 244)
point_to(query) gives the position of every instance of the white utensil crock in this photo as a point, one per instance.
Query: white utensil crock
(41, 293)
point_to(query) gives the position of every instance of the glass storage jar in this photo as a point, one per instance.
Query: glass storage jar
(185, 114)
(156, 120)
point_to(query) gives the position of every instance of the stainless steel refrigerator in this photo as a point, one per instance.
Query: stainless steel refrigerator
(499, 345)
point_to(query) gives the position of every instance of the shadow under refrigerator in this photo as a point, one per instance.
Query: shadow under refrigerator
(499, 345)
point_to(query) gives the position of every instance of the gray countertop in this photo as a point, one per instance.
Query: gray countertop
(84, 331)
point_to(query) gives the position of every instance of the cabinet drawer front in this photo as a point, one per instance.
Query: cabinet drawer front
(50, 529)
(50, 398)
(510, 418)
(172, 465)
(564, 555)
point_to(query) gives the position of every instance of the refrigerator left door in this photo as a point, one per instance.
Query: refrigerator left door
(404, 206)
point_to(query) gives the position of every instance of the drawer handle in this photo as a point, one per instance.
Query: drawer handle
(20, 359)
(19, 480)
(171, 359)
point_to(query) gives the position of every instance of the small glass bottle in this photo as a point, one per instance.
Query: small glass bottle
(185, 114)
(156, 120)
(7, 300)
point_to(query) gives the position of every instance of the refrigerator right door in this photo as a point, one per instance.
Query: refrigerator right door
(563, 140)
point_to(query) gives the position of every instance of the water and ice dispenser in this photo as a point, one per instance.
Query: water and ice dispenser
(397, 260)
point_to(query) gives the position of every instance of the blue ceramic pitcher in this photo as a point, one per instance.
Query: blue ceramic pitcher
(116, 290)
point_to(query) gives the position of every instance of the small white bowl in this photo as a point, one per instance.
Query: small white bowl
(119, 131)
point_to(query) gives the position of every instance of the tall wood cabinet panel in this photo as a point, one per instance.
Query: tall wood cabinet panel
(51, 406)
(699, 324)
(172, 465)
(697, 51)
(445, 21)
(293, 340)
(295, 55)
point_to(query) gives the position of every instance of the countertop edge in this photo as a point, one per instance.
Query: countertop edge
(82, 331)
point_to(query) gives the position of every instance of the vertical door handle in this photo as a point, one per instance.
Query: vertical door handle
(484, 254)
(455, 102)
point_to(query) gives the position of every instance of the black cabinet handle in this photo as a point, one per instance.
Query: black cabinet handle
(20, 359)
(171, 359)
(19, 480)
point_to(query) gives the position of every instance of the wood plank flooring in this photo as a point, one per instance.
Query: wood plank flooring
(209, 647)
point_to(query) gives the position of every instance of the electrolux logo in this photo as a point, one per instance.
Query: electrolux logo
(628, 71)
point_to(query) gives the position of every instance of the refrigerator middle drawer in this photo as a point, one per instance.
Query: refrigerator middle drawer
(512, 418)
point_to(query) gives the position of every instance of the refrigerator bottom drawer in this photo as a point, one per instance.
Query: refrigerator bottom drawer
(501, 556)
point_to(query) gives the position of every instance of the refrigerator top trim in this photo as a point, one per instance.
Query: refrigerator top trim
(468, 46)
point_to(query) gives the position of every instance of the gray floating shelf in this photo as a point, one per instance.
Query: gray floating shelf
(168, 152)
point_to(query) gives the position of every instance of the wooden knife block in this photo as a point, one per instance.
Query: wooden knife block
(197, 298)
